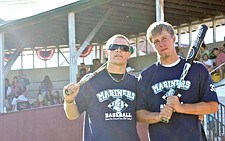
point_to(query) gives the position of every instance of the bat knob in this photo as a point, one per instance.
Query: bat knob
(165, 120)
(68, 92)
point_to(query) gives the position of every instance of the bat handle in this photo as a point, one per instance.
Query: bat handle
(164, 119)
(68, 92)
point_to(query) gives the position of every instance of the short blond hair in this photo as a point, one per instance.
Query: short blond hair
(157, 28)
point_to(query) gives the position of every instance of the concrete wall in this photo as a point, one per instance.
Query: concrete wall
(40, 124)
(46, 124)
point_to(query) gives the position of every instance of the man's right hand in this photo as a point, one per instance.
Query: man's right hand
(73, 91)
(166, 112)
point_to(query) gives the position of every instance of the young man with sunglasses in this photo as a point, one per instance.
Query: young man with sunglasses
(109, 98)
(173, 118)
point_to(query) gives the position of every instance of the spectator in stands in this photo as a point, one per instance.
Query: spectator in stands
(23, 80)
(8, 94)
(22, 101)
(208, 63)
(40, 100)
(14, 102)
(16, 87)
(181, 54)
(83, 71)
(37, 103)
(45, 86)
(203, 50)
(220, 59)
(222, 48)
(49, 98)
(57, 98)
(96, 65)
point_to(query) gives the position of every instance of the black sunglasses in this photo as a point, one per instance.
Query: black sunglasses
(122, 47)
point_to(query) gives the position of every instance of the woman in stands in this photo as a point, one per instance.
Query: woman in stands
(46, 86)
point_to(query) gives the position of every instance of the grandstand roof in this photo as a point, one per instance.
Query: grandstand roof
(129, 17)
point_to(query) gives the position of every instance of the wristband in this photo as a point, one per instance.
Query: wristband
(68, 101)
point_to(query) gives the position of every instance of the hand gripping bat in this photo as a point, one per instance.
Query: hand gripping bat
(192, 53)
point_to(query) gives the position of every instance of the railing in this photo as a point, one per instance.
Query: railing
(217, 67)
(215, 125)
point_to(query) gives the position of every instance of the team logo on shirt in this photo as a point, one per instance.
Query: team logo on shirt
(118, 105)
(170, 84)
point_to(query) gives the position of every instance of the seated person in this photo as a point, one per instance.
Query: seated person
(57, 98)
(203, 50)
(14, 102)
(220, 59)
(222, 48)
(20, 102)
(23, 101)
(207, 62)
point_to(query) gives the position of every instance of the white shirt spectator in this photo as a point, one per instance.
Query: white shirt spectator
(14, 104)
(208, 62)
(9, 91)
(20, 98)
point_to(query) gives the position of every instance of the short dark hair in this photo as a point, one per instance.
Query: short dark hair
(224, 44)
(215, 48)
(203, 45)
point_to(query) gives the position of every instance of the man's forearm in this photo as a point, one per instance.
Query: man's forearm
(71, 110)
(200, 108)
(147, 117)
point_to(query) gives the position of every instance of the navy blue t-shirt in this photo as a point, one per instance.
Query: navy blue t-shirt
(197, 86)
(110, 108)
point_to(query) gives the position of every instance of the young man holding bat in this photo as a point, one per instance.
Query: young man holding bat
(109, 98)
(173, 117)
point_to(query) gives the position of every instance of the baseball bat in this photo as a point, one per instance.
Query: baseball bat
(192, 53)
(217, 68)
(87, 77)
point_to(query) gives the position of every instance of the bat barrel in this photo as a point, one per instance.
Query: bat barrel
(193, 51)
